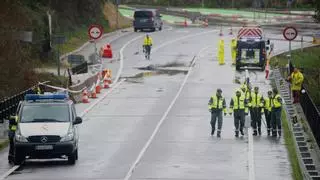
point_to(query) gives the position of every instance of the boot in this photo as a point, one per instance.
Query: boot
(237, 134)
(219, 134)
(241, 131)
(212, 131)
(254, 133)
(279, 132)
(259, 131)
(268, 132)
(274, 134)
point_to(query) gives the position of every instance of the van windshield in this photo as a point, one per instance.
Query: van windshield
(143, 14)
(45, 113)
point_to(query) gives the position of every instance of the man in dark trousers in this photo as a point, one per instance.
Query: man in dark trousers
(256, 105)
(267, 110)
(276, 113)
(238, 105)
(217, 104)
(13, 122)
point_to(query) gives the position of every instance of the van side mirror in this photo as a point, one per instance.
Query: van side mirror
(77, 121)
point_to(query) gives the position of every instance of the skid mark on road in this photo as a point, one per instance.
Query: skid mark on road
(142, 152)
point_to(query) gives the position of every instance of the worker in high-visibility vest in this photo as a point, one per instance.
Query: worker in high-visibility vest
(256, 105)
(267, 110)
(217, 105)
(147, 44)
(296, 78)
(233, 50)
(13, 122)
(238, 106)
(221, 52)
(276, 113)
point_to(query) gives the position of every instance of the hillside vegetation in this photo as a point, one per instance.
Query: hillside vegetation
(70, 18)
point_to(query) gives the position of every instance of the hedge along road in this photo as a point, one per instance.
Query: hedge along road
(117, 129)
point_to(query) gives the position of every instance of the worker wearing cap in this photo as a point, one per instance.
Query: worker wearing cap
(217, 104)
(256, 105)
(238, 105)
(267, 110)
(276, 113)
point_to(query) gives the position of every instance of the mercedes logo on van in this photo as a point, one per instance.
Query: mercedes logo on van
(43, 139)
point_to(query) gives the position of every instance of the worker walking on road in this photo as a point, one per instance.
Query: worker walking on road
(267, 110)
(13, 122)
(238, 105)
(217, 104)
(296, 79)
(256, 105)
(147, 44)
(276, 113)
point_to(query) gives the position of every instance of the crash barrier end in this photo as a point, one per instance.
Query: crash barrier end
(106, 51)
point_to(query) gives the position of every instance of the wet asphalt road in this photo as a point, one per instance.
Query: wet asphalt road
(115, 132)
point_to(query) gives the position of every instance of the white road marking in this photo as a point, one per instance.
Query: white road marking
(9, 172)
(251, 168)
(142, 152)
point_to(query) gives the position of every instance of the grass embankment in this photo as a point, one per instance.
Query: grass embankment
(309, 62)
(290, 144)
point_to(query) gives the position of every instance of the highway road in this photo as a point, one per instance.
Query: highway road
(157, 127)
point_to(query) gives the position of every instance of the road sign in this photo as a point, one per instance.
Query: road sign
(290, 33)
(95, 31)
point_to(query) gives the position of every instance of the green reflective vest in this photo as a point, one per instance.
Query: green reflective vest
(268, 103)
(13, 125)
(217, 103)
(277, 101)
(256, 100)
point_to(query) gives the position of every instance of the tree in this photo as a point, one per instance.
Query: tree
(317, 11)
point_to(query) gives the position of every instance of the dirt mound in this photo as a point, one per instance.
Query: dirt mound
(110, 14)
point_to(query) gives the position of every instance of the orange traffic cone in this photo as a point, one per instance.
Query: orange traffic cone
(93, 93)
(206, 22)
(106, 82)
(85, 98)
(267, 71)
(221, 34)
(230, 33)
(108, 73)
(98, 86)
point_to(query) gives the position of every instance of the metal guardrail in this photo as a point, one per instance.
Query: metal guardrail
(9, 105)
(310, 110)
(312, 114)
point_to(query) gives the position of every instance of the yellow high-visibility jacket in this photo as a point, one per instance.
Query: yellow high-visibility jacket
(147, 41)
(297, 80)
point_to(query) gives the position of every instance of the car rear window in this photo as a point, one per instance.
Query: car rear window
(141, 14)
(45, 113)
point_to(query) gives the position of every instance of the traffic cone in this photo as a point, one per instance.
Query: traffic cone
(230, 33)
(206, 22)
(185, 22)
(109, 76)
(85, 98)
(98, 86)
(93, 92)
(106, 82)
(221, 34)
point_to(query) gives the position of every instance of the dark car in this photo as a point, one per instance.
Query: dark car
(147, 19)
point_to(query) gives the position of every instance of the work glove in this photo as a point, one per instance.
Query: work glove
(246, 114)
(230, 113)
(225, 114)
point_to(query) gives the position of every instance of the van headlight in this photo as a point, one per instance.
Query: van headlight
(68, 137)
(19, 137)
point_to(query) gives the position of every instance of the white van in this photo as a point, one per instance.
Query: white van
(47, 128)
